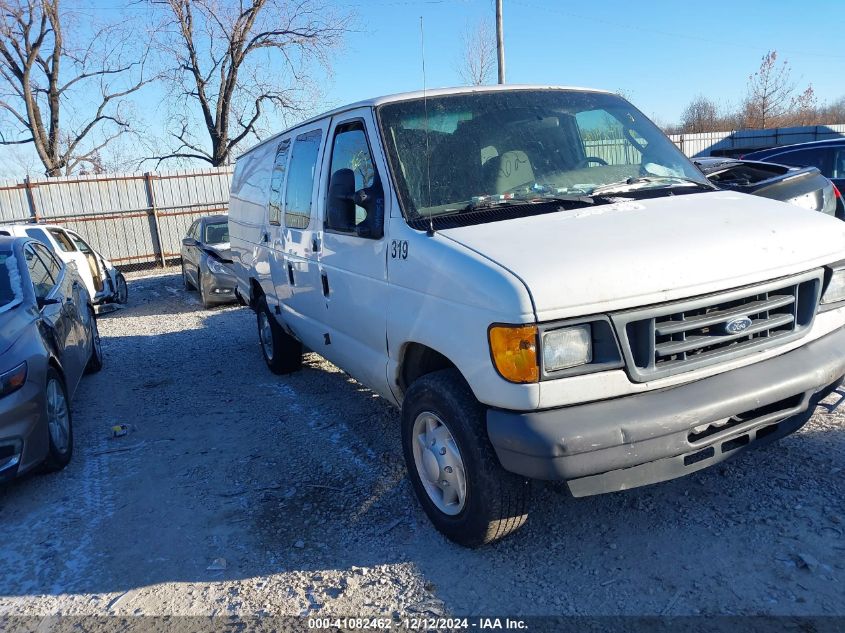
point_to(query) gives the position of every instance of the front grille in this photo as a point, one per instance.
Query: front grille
(676, 337)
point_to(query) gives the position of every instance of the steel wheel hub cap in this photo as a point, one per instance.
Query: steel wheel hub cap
(58, 421)
(266, 335)
(439, 463)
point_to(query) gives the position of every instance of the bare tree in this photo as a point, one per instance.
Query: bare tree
(44, 69)
(832, 112)
(234, 61)
(803, 109)
(769, 93)
(700, 115)
(476, 64)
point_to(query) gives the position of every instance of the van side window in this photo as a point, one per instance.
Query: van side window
(351, 151)
(300, 187)
(277, 182)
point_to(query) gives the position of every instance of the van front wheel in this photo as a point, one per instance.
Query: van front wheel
(281, 352)
(453, 467)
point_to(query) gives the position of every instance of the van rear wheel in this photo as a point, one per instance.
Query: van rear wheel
(281, 352)
(453, 467)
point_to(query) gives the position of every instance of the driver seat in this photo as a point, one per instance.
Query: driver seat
(508, 171)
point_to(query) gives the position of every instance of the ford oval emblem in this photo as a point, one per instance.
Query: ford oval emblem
(737, 325)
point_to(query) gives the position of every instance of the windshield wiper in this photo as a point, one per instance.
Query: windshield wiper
(610, 187)
(482, 203)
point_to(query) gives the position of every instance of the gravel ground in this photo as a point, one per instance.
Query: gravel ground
(241, 493)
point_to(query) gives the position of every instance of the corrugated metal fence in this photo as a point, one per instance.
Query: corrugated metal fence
(740, 141)
(139, 219)
(132, 219)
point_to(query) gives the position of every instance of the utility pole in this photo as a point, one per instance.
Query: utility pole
(500, 42)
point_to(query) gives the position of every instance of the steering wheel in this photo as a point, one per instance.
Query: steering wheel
(590, 159)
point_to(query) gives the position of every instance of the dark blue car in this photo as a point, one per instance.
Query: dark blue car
(828, 156)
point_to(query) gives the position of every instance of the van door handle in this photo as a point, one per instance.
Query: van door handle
(265, 237)
(290, 274)
(325, 279)
(315, 244)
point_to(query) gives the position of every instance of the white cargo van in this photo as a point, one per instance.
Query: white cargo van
(544, 284)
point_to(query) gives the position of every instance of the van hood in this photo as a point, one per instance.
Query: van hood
(638, 252)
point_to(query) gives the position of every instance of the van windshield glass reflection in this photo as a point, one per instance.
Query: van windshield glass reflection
(518, 145)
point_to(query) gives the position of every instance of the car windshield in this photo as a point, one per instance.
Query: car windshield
(10, 280)
(217, 233)
(454, 153)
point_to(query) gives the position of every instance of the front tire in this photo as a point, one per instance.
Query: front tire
(203, 297)
(185, 280)
(95, 361)
(281, 352)
(59, 423)
(122, 291)
(452, 465)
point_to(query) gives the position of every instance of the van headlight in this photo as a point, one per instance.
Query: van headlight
(567, 347)
(835, 291)
(513, 349)
(558, 349)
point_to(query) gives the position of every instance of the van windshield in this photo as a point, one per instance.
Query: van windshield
(457, 153)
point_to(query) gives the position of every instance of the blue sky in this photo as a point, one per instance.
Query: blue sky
(660, 54)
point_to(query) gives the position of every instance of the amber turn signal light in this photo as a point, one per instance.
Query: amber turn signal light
(514, 352)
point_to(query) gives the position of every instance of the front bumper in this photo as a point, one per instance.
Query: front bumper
(23, 430)
(219, 287)
(659, 435)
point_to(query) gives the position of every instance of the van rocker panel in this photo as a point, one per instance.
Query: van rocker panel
(659, 435)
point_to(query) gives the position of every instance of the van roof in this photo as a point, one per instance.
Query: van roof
(418, 94)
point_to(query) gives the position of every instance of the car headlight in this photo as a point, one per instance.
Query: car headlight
(567, 347)
(217, 267)
(12, 380)
(513, 349)
(835, 291)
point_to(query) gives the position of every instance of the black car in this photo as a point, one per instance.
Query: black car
(805, 187)
(206, 260)
(826, 156)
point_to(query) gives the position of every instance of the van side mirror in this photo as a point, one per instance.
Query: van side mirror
(189, 241)
(342, 200)
(340, 212)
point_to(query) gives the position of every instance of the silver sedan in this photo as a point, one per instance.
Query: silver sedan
(48, 339)
(206, 260)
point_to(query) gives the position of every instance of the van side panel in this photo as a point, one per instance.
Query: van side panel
(430, 305)
(248, 218)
